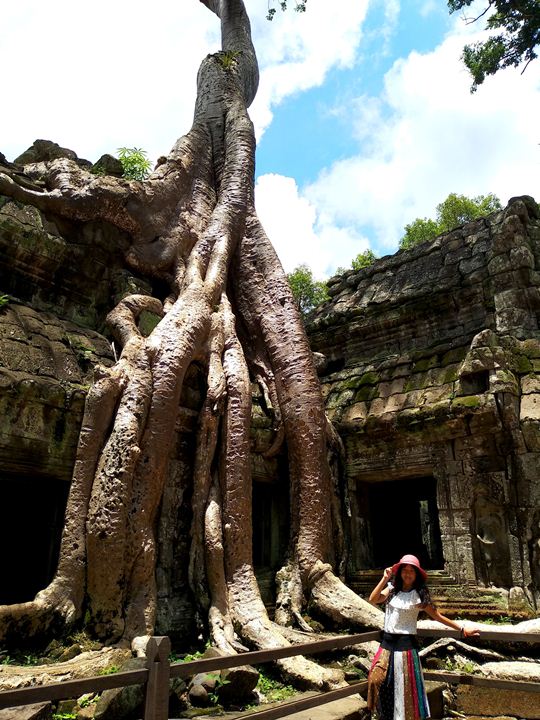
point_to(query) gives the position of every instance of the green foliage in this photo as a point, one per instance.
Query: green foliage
(307, 292)
(88, 699)
(452, 212)
(363, 259)
(64, 716)
(459, 666)
(214, 696)
(21, 659)
(519, 23)
(300, 6)
(498, 620)
(419, 231)
(272, 689)
(459, 209)
(227, 58)
(4, 300)
(135, 163)
(189, 657)
(109, 670)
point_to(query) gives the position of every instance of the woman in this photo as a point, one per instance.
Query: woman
(395, 683)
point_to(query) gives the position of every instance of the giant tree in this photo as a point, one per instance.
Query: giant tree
(229, 307)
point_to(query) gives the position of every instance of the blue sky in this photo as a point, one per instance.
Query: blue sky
(305, 135)
(364, 117)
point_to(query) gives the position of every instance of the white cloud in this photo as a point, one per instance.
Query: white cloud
(299, 233)
(427, 136)
(97, 75)
(94, 76)
(300, 48)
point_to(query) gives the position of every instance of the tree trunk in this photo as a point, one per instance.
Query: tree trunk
(193, 225)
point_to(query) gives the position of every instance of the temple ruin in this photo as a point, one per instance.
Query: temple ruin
(431, 374)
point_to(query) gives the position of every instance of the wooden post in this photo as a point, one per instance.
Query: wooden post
(156, 706)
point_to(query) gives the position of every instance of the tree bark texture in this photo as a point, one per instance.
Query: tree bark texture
(193, 226)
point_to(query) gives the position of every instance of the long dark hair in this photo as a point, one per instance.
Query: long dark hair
(419, 585)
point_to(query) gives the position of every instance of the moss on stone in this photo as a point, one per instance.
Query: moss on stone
(522, 364)
(450, 375)
(147, 322)
(418, 381)
(467, 401)
(369, 378)
(456, 355)
(425, 364)
(530, 348)
(366, 393)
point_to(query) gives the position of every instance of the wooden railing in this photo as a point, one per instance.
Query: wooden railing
(159, 671)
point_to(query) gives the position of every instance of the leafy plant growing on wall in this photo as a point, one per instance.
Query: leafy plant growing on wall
(135, 163)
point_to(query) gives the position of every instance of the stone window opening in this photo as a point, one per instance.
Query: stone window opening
(474, 383)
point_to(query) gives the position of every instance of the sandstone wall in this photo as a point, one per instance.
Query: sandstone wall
(58, 281)
(433, 370)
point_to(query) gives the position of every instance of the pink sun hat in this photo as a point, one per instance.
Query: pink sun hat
(409, 560)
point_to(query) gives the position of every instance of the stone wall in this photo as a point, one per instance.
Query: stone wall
(433, 376)
(432, 380)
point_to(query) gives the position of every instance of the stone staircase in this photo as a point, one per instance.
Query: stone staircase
(451, 597)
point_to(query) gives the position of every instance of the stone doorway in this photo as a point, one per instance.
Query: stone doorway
(31, 521)
(270, 535)
(402, 517)
(270, 525)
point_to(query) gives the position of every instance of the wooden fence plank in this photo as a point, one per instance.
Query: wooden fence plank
(466, 679)
(71, 688)
(310, 702)
(156, 705)
(161, 671)
(257, 657)
(532, 638)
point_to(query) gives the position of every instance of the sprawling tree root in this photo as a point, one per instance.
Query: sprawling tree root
(194, 226)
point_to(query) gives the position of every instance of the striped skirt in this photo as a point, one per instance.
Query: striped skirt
(395, 683)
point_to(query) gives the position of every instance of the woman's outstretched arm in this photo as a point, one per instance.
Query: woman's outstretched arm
(381, 590)
(434, 614)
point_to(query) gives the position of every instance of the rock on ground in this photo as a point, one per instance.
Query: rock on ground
(37, 711)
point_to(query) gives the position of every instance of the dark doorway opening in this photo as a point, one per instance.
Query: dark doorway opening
(405, 519)
(31, 521)
(270, 525)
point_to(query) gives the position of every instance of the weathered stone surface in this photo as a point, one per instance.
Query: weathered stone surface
(43, 150)
(37, 711)
(108, 165)
(120, 703)
(237, 684)
(431, 373)
(491, 701)
(198, 696)
(87, 664)
(526, 671)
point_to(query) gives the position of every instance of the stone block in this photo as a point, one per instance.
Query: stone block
(530, 384)
(355, 413)
(37, 711)
(492, 702)
(530, 407)
(530, 430)
(434, 691)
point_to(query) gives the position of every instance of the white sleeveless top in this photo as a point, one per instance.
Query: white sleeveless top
(402, 613)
